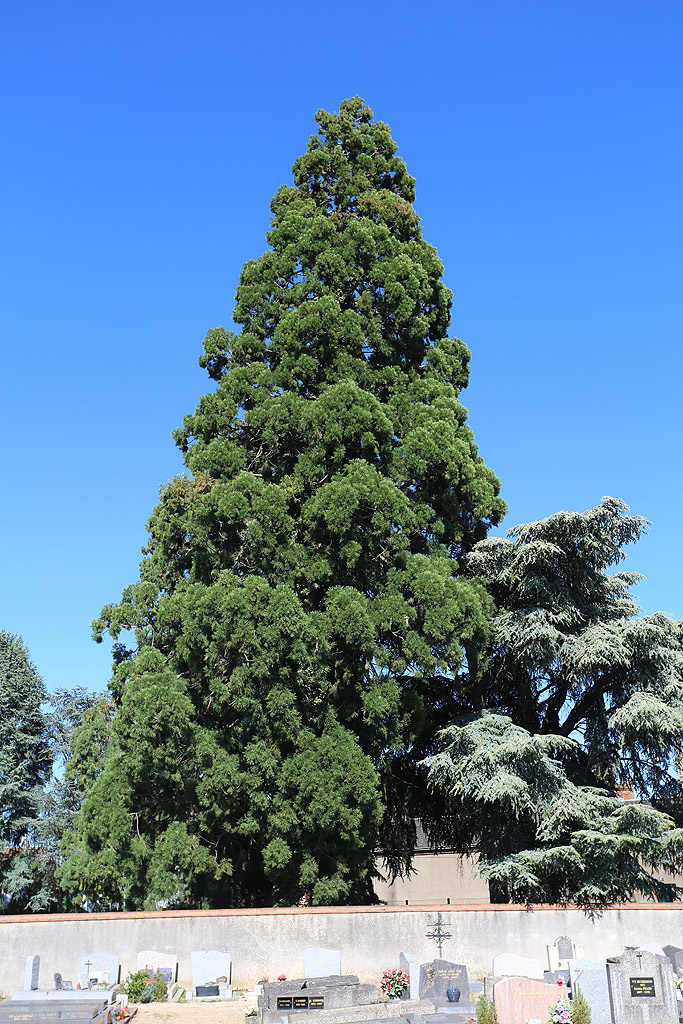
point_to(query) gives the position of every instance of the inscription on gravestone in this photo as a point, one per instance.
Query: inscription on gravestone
(642, 987)
(439, 975)
(565, 948)
(284, 1003)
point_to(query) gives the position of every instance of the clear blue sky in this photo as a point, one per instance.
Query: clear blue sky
(142, 143)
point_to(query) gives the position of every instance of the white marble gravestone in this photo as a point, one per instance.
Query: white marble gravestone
(408, 964)
(509, 965)
(561, 952)
(590, 977)
(31, 973)
(208, 966)
(319, 963)
(165, 963)
(100, 966)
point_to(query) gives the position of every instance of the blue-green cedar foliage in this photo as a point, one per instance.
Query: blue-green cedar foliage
(576, 695)
(300, 617)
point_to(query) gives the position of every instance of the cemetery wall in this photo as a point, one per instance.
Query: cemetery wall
(271, 941)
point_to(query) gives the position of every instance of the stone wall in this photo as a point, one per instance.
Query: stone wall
(270, 942)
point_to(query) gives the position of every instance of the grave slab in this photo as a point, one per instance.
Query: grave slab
(521, 999)
(590, 977)
(641, 989)
(386, 1011)
(301, 994)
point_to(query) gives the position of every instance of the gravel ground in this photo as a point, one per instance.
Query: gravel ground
(229, 1012)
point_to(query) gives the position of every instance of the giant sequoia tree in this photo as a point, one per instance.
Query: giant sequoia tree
(300, 619)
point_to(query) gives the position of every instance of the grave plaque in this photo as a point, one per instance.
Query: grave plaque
(316, 1002)
(590, 977)
(300, 1003)
(31, 973)
(641, 989)
(438, 975)
(284, 1003)
(565, 948)
(319, 963)
(561, 952)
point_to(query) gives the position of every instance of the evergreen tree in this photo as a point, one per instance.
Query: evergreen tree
(25, 762)
(63, 795)
(579, 1008)
(577, 695)
(300, 620)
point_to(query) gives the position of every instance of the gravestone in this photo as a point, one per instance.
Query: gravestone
(208, 968)
(438, 975)
(590, 977)
(509, 965)
(334, 993)
(98, 967)
(675, 955)
(31, 973)
(408, 964)
(521, 999)
(558, 978)
(163, 964)
(318, 963)
(561, 952)
(641, 989)
(656, 950)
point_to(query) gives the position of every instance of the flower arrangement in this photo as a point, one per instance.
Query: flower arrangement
(282, 977)
(678, 981)
(559, 1013)
(394, 983)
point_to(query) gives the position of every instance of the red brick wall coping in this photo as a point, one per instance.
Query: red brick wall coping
(450, 908)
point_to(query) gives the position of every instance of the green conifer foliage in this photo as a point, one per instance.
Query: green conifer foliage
(576, 695)
(300, 618)
(25, 762)
(579, 1009)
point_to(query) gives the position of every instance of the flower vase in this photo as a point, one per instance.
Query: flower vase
(453, 994)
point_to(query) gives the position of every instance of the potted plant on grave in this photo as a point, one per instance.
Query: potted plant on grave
(394, 983)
